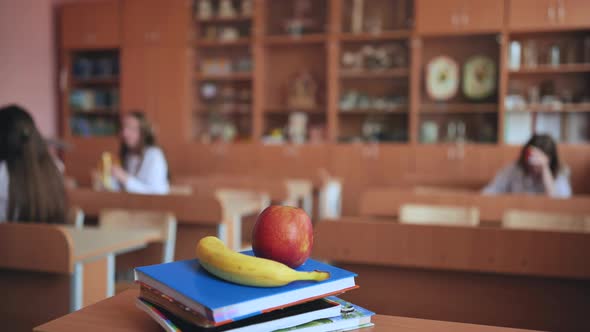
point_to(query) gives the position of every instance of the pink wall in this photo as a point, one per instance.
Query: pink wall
(27, 59)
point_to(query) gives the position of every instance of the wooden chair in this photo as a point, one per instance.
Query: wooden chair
(155, 253)
(533, 220)
(35, 275)
(165, 221)
(438, 215)
(75, 217)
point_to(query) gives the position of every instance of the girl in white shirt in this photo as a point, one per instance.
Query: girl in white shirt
(144, 170)
(31, 186)
(537, 171)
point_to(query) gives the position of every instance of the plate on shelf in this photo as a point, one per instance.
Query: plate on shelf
(442, 78)
(479, 77)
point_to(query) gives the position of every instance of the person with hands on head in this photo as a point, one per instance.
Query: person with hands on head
(537, 171)
(144, 168)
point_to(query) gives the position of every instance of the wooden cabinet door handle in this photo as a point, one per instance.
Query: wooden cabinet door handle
(561, 11)
(455, 20)
(464, 19)
(551, 14)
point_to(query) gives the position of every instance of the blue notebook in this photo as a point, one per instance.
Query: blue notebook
(221, 302)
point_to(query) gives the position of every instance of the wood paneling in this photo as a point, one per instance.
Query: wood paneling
(458, 16)
(530, 15)
(91, 25)
(156, 22)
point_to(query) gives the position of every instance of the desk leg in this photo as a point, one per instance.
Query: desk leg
(110, 275)
(98, 278)
(308, 204)
(76, 287)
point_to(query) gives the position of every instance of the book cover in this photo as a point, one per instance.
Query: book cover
(277, 319)
(222, 302)
(351, 317)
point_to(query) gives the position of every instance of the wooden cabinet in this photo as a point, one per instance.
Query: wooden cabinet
(156, 22)
(573, 13)
(91, 25)
(154, 81)
(548, 14)
(458, 16)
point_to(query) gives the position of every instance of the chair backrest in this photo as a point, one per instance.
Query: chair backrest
(165, 221)
(438, 215)
(534, 220)
(75, 217)
(35, 275)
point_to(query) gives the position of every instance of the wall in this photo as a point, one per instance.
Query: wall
(27, 60)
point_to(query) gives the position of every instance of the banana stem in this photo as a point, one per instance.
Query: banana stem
(314, 275)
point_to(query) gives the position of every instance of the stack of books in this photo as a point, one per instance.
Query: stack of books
(183, 296)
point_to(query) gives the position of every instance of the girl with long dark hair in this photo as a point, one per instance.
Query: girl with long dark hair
(31, 186)
(538, 170)
(144, 168)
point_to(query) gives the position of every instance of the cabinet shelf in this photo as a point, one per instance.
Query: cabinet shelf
(565, 108)
(224, 77)
(223, 43)
(236, 19)
(230, 112)
(284, 110)
(294, 40)
(467, 108)
(370, 37)
(95, 81)
(398, 111)
(97, 112)
(549, 69)
(371, 74)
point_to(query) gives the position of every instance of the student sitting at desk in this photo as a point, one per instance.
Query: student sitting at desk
(537, 171)
(144, 170)
(31, 186)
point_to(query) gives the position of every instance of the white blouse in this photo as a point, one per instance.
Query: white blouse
(4, 179)
(147, 176)
(512, 179)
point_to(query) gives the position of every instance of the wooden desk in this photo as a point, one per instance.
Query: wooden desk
(120, 314)
(494, 276)
(386, 201)
(197, 215)
(94, 252)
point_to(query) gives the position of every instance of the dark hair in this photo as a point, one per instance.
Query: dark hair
(147, 138)
(36, 190)
(546, 144)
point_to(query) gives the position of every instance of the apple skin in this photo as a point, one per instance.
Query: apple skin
(283, 234)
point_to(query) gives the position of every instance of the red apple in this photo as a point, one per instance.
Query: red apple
(283, 234)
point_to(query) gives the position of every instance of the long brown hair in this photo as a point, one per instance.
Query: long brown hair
(36, 190)
(147, 138)
(546, 144)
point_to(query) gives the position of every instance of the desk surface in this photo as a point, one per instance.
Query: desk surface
(89, 243)
(120, 314)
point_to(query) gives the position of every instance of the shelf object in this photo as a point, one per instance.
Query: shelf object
(565, 108)
(216, 19)
(468, 108)
(223, 43)
(224, 77)
(95, 81)
(549, 69)
(372, 74)
(294, 40)
(96, 112)
(372, 37)
(278, 110)
(398, 110)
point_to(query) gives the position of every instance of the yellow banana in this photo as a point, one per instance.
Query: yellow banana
(242, 269)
